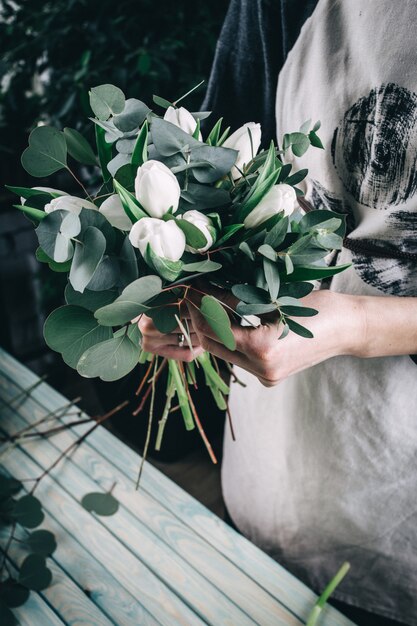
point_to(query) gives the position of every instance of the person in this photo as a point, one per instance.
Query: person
(323, 468)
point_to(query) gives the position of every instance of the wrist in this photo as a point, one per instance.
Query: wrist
(355, 328)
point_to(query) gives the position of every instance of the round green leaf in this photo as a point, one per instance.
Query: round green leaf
(47, 152)
(54, 233)
(42, 542)
(218, 320)
(34, 574)
(78, 147)
(28, 512)
(100, 503)
(133, 116)
(106, 100)
(71, 330)
(12, 594)
(6, 616)
(8, 486)
(109, 360)
(90, 300)
(131, 302)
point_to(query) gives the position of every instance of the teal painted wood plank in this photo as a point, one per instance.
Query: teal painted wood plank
(236, 548)
(93, 580)
(66, 598)
(206, 600)
(229, 579)
(167, 608)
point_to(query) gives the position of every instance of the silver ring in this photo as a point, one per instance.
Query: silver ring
(181, 340)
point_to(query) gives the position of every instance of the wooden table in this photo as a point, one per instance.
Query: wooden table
(163, 558)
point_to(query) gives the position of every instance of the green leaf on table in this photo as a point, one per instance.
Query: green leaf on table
(100, 503)
(34, 574)
(7, 618)
(298, 329)
(42, 257)
(71, 330)
(12, 595)
(109, 360)
(90, 300)
(217, 318)
(42, 542)
(87, 256)
(55, 232)
(9, 486)
(131, 206)
(272, 277)
(27, 511)
(201, 267)
(131, 302)
(140, 150)
(106, 100)
(46, 153)
(78, 147)
(133, 115)
(250, 294)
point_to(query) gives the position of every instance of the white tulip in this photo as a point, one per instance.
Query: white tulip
(113, 211)
(46, 190)
(280, 198)
(73, 204)
(157, 188)
(240, 140)
(183, 119)
(165, 238)
(203, 223)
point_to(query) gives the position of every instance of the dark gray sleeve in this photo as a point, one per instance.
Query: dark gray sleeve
(243, 81)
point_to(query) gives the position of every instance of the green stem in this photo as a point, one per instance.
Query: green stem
(212, 375)
(170, 393)
(182, 395)
(319, 605)
(150, 419)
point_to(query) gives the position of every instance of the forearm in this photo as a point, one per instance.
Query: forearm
(389, 326)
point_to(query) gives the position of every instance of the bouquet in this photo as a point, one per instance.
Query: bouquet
(175, 212)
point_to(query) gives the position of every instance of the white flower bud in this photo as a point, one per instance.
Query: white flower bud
(73, 204)
(183, 119)
(240, 140)
(279, 198)
(157, 188)
(165, 238)
(113, 211)
(203, 223)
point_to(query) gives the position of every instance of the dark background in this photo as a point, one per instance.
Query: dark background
(51, 54)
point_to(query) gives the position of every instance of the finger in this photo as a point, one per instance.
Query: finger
(149, 343)
(148, 328)
(178, 354)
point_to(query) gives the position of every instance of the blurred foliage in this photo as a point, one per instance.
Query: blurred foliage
(52, 52)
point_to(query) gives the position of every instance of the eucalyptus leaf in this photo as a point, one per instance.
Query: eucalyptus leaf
(298, 311)
(133, 115)
(228, 232)
(244, 308)
(315, 272)
(34, 574)
(276, 235)
(28, 512)
(47, 152)
(218, 320)
(129, 270)
(71, 330)
(109, 360)
(54, 234)
(272, 277)
(12, 594)
(42, 542)
(106, 276)
(106, 100)
(78, 147)
(300, 143)
(132, 301)
(250, 294)
(194, 237)
(201, 266)
(169, 139)
(87, 256)
(298, 329)
(90, 300)
(104, 150)
(164, 318)
(100, 503)
(42, 257)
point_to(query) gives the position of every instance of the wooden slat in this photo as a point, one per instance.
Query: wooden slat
(236, 548)
(232, 582)
(205, 599)
(68, 600)
(93, 580)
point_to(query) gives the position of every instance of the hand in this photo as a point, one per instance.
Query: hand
(338, 329)
(166, 345)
